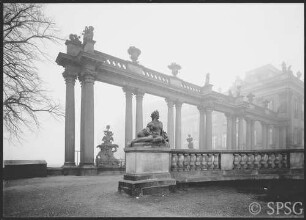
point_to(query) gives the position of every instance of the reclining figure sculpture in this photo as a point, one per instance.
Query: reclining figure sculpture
(152, 134)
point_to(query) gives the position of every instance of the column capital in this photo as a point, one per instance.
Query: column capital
(70, 73)
(169, 102)
(178, 103)
(201, 108)
(87, 76)
(128, 90)
(228, 115)
(139, 94)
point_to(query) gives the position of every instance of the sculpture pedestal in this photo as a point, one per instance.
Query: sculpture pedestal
(147, 171)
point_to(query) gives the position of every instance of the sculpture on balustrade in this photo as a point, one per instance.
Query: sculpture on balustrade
(250, 97)
(88, 34)
(289, 70)
(105, 157)
(153, 134)
(174, 67)
(190, 141)
(298, 74)
(75, 39)
(134, 53)
(207, 79)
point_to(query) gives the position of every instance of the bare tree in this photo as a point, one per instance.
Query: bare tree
(25, 29)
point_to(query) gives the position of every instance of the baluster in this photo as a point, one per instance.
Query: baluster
(174, 162)
(180, 162)
(264, 163)
(237, 161)
(284, 160)
(186, 162)
(198, 162)
(216, 161)
(250, 161)
(192, 161)
(257, 163)
(277, 160)
(204, 162)
(271, 160)
(243, 161)
(210, 164)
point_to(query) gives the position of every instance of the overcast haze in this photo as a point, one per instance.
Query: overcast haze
(225, 40)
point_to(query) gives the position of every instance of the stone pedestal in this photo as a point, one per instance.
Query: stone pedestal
(147, 171)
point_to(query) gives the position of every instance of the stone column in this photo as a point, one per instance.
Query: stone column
(268, 136)
(178, 129)
(170, 123)
(139, 112)
(282, 137)
(128, 115)
(234, 132)
(228, 131)
(264, 135)
(87, 119)
(202, 125)
(70, 77)
(276, 131)
(240, 133)
(252, 135)
(248, 133)
(209, 128)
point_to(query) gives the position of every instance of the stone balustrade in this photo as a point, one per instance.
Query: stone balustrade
(189, 161)
(198, 165)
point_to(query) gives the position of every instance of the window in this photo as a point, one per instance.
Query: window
(270, 136)
(255, 137)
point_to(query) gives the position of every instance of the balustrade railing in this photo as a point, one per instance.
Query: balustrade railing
(190, 161)
(191, 87)
(261, 160)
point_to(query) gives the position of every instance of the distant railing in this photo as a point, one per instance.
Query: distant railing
(191, 87)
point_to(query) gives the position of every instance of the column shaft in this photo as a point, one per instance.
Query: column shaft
(248, 134)
(128, 115)
(170, 123)
(87, 121)
(234, 132)
(202, 131)
(264, 135)
(139, 112)
(178, 121)
(228, 132)
(252, 135)
(70, 122)
(209, 129)
(240, 133)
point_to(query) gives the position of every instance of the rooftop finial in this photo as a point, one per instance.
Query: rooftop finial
(174, 67)
(134, 53)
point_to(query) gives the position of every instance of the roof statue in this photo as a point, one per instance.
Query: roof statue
(75, 39)
(284, 68)
(207, 79)
(88, 34)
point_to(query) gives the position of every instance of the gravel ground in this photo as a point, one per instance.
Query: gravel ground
(97, 196)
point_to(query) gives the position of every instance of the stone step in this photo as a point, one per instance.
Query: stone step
(136, 177)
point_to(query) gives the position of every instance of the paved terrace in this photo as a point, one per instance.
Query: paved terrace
(97, 196)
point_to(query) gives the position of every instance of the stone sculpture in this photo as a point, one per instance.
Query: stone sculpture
(174, 67)
(88, 34)
(207, 79)
(134, 53)
(190, 141)
(105, 157)
(152, 134)
(284, 68)
(75, 39)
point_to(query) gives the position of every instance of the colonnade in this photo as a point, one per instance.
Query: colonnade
(87, 78)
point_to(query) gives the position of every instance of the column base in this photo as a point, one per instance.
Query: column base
(88, 170)
(68, 164)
